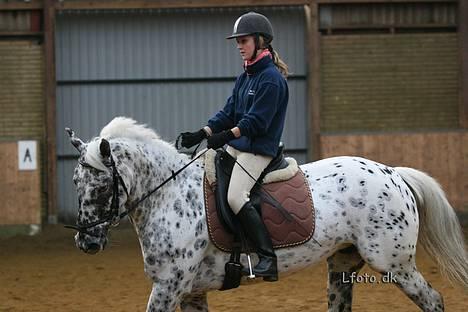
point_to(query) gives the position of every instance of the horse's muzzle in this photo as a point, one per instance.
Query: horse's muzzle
(90, 245)
(91, 248)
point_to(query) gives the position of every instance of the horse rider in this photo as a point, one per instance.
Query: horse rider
(251, 124)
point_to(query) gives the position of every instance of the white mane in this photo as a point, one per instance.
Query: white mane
(122, 127)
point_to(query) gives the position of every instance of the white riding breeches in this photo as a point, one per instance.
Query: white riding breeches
(241, 183)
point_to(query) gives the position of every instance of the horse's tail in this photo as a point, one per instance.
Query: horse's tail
(440, 232)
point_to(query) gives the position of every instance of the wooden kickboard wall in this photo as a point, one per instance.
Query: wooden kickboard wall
(20, 190)
(443, 155)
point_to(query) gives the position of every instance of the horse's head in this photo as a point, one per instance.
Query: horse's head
(101, 193)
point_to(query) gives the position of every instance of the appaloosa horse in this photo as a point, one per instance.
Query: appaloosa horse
(366, 212)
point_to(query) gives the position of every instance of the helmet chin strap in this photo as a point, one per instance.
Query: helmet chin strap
(257, 47)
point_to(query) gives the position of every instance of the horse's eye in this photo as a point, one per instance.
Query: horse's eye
(101, 173)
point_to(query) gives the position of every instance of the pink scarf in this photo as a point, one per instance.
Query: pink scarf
(259, 57)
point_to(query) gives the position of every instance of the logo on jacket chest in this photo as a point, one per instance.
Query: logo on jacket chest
(251, 92)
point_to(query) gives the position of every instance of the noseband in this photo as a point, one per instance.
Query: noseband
(113, 217)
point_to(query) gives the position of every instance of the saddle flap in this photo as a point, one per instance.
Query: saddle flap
(294, 195)
(288, 214)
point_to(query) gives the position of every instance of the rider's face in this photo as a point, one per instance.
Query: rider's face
(246, 46)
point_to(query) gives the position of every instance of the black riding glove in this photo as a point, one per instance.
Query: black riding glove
(219, 139)
(190, 139)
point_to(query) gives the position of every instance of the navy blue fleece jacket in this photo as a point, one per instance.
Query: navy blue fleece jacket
(258, 107)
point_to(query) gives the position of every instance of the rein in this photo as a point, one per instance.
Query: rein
(114, 217)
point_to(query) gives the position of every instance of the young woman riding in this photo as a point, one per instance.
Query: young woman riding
(251, 124)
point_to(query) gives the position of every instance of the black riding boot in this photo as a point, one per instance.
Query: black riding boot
(258, 234)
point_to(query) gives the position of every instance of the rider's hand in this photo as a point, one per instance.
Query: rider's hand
(189, 139)
(219, 139)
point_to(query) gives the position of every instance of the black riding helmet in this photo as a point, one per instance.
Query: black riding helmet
(253, 23)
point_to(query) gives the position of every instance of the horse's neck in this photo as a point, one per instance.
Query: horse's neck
(151, 164)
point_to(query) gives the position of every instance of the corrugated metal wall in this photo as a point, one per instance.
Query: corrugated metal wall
(171, 69)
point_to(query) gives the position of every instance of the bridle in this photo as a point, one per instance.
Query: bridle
(113, 217)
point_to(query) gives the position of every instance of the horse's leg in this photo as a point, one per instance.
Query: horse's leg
(340, 266)
(194, 303)
(413, 284)
(163, 298)
(398, 263)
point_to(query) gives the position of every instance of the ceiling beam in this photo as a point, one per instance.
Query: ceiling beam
(167, 4)
(22, 5)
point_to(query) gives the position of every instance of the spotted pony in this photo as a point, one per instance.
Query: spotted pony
(366, 213)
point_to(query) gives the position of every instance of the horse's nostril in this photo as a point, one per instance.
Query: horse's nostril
(93, 248)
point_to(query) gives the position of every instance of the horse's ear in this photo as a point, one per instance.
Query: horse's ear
(75, 141)
(104, 148)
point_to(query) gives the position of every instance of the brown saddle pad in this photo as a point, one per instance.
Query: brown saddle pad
(293, 194)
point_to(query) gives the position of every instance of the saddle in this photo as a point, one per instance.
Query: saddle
(283, 200)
